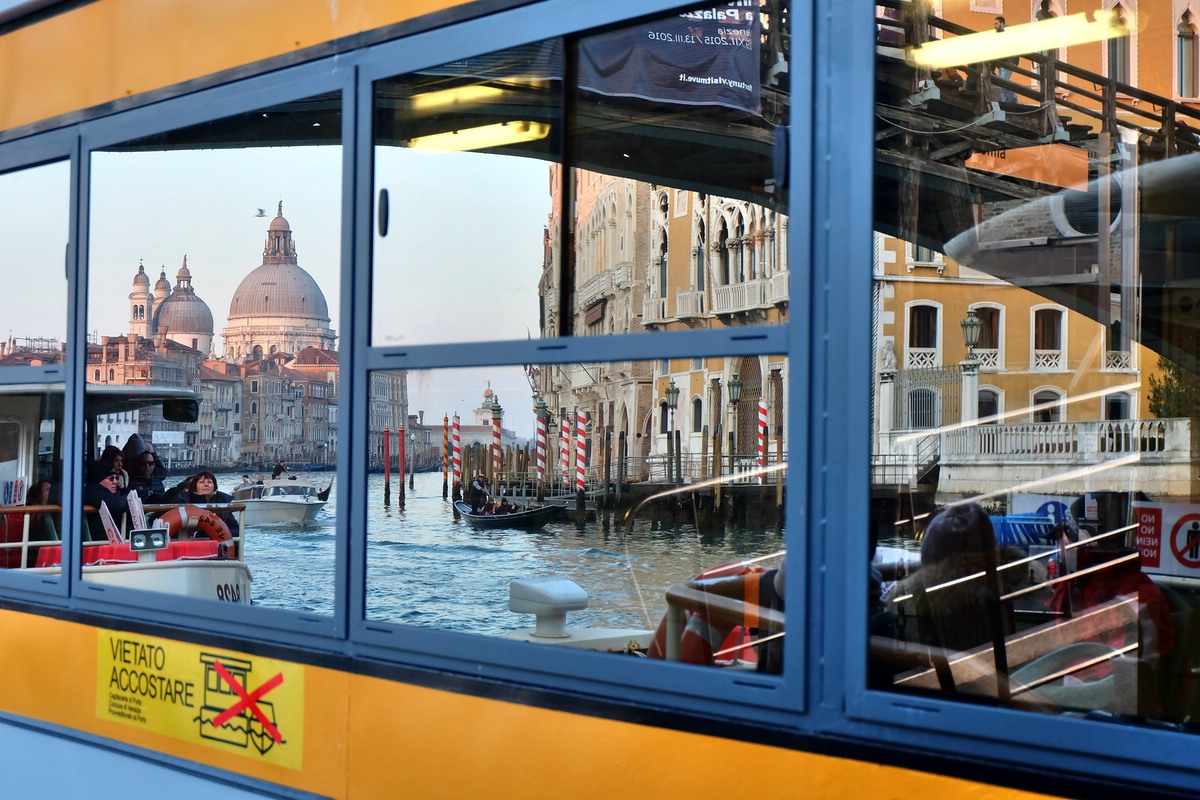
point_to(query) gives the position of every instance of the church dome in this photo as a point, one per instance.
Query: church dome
(162, 284)
(279, 290)
(182, 311)
(141, 279)
(279, 287)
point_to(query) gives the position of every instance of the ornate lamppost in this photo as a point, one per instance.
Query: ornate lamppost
(971, 326)
(672, 404)
(735, 397)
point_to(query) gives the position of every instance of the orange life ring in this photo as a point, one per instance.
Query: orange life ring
(703, 638)
(194, 518)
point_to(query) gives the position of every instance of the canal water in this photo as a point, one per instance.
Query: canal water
(426, 568)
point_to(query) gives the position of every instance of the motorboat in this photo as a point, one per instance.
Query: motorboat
(522, 518)
(291, 501)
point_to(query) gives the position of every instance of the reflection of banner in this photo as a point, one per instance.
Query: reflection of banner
(1053, 164)
(707, 57)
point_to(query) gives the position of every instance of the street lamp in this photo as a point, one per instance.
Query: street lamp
(971, 326)
(672, 404)
(735, 397)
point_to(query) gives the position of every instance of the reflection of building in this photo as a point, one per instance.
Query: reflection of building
(273, 396)
(655, 258)
(278, 307)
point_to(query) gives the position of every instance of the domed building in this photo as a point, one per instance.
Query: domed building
(177, 314)
(278, 307)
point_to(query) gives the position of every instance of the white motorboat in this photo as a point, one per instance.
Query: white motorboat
(281, 502)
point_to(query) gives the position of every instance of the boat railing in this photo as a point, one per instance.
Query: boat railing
(16, 552)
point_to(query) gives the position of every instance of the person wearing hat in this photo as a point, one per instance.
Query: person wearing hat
(101, 489)
(143, 465)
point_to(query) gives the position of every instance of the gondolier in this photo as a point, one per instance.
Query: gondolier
(477, 495)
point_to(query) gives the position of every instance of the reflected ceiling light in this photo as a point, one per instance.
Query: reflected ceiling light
(1031, 37)
(475, 93)
(484, 136)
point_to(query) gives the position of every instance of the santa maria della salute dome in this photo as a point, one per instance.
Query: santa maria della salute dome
(277, 308)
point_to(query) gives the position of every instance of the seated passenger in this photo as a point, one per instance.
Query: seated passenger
(504, 507)
(204, 492)
(145, 475)
(100, 490)
(959, 542)
(41, 524)
(113, 456)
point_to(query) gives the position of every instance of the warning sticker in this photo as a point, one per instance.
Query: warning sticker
(1168, 536)
(227, 700)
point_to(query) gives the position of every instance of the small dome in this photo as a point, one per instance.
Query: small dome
(182, 313)
(162, 282)
(184, 273)
(487, 393)
(141, 279)
(279, 223)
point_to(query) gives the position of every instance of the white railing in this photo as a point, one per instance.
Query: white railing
(622, 273)
(595, 287)
(689, 304)
(737, 297)
(920, 357)
(779, 287)
(989, 357)
(654, 311)
(1053, 440)
(1118, 361)
(1049, 359)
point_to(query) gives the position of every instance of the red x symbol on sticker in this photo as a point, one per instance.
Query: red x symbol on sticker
(249, 700)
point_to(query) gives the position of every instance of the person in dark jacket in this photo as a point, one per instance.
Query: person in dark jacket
(101, 489)
(144, 470)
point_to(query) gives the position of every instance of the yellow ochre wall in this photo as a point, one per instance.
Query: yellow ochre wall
(112, 49)
(370, 737)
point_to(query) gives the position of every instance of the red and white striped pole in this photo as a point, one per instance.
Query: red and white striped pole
(564, 451)
(580, 451)
(456, 453)
(762, 437)
(445, 447)
(495, 450)
(541, 448)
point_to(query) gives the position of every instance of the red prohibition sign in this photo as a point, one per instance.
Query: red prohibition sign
(1191, 541)
(249, 701)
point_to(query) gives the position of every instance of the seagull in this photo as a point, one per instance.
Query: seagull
(261, 213)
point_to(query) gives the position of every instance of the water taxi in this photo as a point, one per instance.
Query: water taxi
(281, 502)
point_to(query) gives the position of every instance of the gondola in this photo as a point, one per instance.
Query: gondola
(528, 518)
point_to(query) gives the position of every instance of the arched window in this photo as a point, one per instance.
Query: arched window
(1048, 344)
(254, 408)
(663, 420)
(1047, 405)
(111, 375)
(697, 415)
(1185, 56)
(254, 433)
(989, 406)
(97, 376)
(662, 267)
(699, 265)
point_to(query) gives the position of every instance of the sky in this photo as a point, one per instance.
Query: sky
(461, 261)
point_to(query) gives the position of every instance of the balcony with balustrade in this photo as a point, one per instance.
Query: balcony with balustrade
(689, 304)
(1049, 360)
(654, 311)
(740, 298)
(779, 288)
(922, 358)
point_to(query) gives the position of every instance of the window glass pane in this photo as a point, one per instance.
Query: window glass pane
(690, 106)
(214, 277)
(1044, 560)
(473, 435)
(671, 215)
(34, 215)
